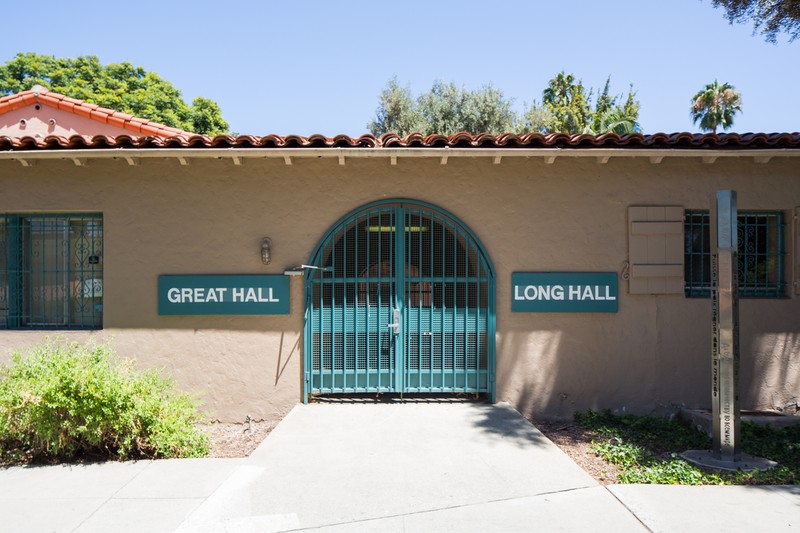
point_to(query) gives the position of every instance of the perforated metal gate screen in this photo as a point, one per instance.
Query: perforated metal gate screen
(401, 300)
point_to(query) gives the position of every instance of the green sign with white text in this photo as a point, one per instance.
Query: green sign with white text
(564, 292)
(223, 295)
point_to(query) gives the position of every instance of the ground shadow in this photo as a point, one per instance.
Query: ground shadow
(499, 419)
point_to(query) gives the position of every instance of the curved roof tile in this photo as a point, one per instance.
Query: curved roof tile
(683, 140)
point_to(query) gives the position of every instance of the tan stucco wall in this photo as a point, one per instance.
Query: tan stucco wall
(210, 217)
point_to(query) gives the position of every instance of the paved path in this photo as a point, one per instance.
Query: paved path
(351, 467)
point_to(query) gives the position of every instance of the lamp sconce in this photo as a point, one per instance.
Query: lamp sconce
(266, 252)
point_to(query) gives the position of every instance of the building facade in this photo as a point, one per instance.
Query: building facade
(555, 272)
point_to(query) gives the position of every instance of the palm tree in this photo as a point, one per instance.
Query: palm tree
(566, 100)
(715, 106)
(614, 120)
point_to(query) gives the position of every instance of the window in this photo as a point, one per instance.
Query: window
(51, 271)
(760, 254)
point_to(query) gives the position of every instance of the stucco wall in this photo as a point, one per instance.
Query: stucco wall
(210, 216)
(48, 120)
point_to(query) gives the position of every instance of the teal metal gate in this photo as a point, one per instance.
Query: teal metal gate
(399, 298)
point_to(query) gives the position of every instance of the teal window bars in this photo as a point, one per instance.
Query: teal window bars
(51, 271)
(760, 254)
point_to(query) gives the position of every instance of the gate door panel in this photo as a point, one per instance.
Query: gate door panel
(399, 298)
(351, 304)
(446, 307)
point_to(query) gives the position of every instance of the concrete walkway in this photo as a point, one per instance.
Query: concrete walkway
(379, 468)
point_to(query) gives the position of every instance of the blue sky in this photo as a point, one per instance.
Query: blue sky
(318, 67)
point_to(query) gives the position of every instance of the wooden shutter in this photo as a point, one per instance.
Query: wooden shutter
(655, 250)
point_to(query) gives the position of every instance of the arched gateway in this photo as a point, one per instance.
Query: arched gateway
(400, 297)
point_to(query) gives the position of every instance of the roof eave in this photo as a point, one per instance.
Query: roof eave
(548, 155)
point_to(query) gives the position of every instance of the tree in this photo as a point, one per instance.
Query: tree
(206, 117)
(537, 119)
(397, 112)
(610, 117)
(118, 86)
(487, 110)
(715, 106)
(445, 109)
(572, 111)
(770, 16)
(604, 107)
(566, 99)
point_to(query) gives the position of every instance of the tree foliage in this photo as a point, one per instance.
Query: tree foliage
(614, 117)
(566, 99)
(447, 109)
(715, 106)
(205, 116)
(770, 16)
(537, 119)
(573, 112)
(118, 86)
(397, 111)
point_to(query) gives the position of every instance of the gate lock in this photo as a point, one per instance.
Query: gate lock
(396, 324)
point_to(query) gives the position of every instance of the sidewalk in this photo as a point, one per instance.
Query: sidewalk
(108, 497)
(379, 467)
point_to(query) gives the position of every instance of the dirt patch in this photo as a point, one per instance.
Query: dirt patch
(576, 442)
(236, 440)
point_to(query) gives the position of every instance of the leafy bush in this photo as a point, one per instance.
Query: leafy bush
(64, 401)
(646, 450)
(617, 452)
(669, 471)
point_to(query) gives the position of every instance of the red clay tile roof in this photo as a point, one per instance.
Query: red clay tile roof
(40, 95)
(690, 141)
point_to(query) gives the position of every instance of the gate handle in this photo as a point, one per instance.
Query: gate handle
(396, 325)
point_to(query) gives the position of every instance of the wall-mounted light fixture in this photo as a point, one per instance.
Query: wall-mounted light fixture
(266, 252)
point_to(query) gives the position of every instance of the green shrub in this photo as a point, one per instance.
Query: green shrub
(617, 452)
(646, 450)
(64, 401)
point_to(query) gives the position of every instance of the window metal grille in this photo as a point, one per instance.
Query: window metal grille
(51, 271)
(760, 254)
